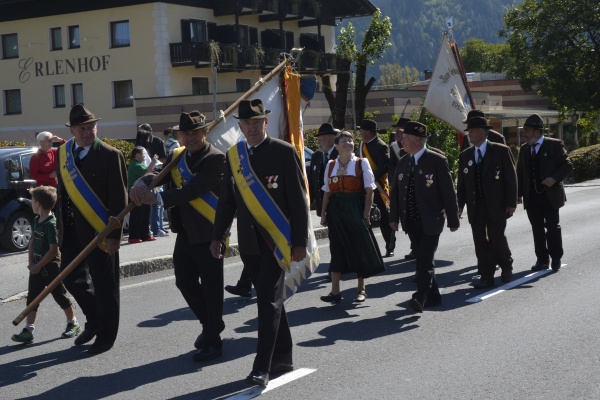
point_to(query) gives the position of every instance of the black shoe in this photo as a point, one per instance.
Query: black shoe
(506, 275)
(410, 256)
(99, 348)
(85, 337)
(199, 342)
(432, 302)
(389, 253)
(484, 283)
(238, 291)
(540, 266)
(257, 377)
(207, 353)
(556, 264)
(332, 298)
(281, 368)
(415, 305)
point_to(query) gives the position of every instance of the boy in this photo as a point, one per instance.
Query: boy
(44, 260)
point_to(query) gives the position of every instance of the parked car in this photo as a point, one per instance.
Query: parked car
(16, 214)
(307, 157)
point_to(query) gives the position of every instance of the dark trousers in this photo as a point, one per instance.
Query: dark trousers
(199, 278)
(544, 219)
(388, 234)
(245, 281)
(95, 286)
(139, 222)
(39, 282)
(274, 337)
(424, 247)
(491, 246)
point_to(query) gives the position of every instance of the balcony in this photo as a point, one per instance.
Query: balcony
(234, 57)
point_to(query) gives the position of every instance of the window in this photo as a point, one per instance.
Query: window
(76, 93)
(123, 94)
(12, 102)
(119, 34)
(242, 85)
(58, 92)
(55, 39)
(10, 46)
(199, 86)
(74, 42)
(193, 30)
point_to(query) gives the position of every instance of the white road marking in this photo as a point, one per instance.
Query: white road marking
(511, 285)
(274, 384)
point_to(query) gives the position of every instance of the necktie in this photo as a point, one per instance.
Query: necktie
(412, 162)
(533, 152)
(479, 156)
(251, 150)
(78, 152)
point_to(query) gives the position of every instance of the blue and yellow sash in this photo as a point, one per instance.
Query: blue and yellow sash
(81, 194)
(206, 204)
(261, 205)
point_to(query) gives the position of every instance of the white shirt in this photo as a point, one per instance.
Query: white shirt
(537, 145)
(482, 148)
(368, 177)
(418, 155)
(84, 152)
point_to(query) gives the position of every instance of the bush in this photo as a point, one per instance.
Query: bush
(5, 143)
(310, 139)
(122, 145)
(586, 163)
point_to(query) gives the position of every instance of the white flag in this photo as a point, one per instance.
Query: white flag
(447, 96)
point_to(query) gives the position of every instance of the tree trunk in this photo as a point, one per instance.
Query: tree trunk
(361, 90)
(337, 101)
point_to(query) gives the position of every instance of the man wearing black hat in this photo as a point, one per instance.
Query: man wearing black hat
(493, 136)
(422, 196)
(487, 184)
(191, 195)
(92, 185)
(543, 165)
(320, 158)
(264, 184)
(378, 154)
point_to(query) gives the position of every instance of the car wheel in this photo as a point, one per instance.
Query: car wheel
(18, 232)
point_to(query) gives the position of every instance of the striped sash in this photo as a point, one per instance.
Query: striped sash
(81, 194)
(206, 204)
(261, 205)
(383, 180)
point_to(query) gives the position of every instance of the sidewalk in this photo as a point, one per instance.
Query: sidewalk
(161, 263)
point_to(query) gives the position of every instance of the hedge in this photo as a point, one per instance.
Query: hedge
(586, 163)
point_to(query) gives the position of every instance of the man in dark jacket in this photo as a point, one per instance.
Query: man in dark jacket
(378, 154)
(487, 184)
(191, 195)
(422, 197)
(543, 165)
(265, 186)
(318, 162)
(493, 136)
(84, 208)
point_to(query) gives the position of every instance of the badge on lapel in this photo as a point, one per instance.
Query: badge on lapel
(428, 180)
(272, 181)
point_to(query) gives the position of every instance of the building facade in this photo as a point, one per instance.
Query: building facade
(142, 61)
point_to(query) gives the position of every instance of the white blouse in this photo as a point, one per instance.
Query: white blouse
(368, 178)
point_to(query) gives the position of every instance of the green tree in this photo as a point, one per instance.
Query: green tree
(374, 44)
(395, 74)
(555, 45)
(479, 56)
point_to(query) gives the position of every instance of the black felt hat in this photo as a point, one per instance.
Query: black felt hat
(80, 115)
(191, 121)
(478, 122)
(416, 129)
(401, 123)
(251, 109)
(474, 113)
(368, 125)
(327, 129)
(533, 121)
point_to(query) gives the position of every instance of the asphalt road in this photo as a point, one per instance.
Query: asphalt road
(538, 340)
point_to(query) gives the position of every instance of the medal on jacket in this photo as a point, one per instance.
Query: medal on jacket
(429, 180)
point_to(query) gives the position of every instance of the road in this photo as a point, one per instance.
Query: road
(538, 340)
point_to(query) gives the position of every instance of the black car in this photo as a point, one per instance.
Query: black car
(16, 214)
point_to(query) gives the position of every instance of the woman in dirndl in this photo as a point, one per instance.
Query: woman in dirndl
(347, 199)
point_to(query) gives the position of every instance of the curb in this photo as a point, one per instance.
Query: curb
(156, 264)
